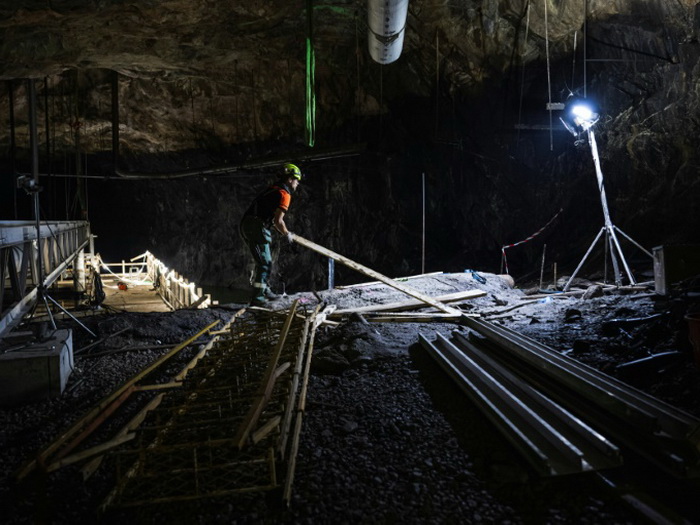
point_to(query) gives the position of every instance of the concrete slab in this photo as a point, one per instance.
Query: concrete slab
(37, 369)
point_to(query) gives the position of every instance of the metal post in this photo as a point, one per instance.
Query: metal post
(423, 246)
(585, 46)
(34, 142)
(48, 141)
(13, 144)
(610, 230)
(79, 273)
(331, 273)
(115, 120)
(544, 250)
(33, 187)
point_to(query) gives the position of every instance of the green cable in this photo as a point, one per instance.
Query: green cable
(310, 82)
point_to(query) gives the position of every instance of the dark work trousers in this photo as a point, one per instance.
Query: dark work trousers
(258, 238)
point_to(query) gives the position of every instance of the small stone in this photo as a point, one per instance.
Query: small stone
(349, 426)
(593, 291)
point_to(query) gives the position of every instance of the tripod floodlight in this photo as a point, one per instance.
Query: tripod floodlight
(579, 117)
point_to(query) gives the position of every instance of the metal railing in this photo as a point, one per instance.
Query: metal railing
(176, 291)
(20, 259)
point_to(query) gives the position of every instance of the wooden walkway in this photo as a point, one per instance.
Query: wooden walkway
(136, 298)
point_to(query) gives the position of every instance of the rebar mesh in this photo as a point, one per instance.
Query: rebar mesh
(206, 439)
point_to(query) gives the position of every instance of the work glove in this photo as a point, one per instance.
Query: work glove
(290, 237)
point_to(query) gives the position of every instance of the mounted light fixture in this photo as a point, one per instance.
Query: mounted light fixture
(579, 116)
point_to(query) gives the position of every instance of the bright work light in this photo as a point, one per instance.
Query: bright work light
(583, 115)
(579, 116)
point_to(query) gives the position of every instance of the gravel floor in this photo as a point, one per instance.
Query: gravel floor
(387, 438)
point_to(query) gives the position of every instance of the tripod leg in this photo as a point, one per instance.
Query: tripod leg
(606, 244)
(71, 316)
(612, 241)
(630, 239)
(48, 310)
(590, 249)
(622, 256)
(41, 296)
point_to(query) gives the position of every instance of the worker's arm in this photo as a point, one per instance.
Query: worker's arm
(278, 222)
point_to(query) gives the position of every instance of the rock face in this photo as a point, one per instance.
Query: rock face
(462, 114)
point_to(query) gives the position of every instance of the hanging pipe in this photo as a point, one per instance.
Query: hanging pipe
(386, 21)
(215, 170)
(33, 135)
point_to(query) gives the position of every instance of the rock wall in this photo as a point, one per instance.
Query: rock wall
(463, 112)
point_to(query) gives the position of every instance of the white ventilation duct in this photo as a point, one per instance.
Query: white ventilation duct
(386, 20)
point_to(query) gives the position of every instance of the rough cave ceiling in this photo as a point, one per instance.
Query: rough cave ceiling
(203, 82)
(197, 72)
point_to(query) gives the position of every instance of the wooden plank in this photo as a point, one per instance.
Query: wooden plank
(267, 384)
(90, 468)
(301, 407)
(407, 278)
(263, 431)
(374, 275)
(293, 386)
(411, 305)
(217, 335)
(292, 463)
(439, 318)
(198, 302)
(158, 386)
(88, 453)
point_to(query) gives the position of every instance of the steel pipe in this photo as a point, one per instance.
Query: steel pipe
(386, 21)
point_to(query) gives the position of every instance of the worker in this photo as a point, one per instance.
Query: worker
(266, 211)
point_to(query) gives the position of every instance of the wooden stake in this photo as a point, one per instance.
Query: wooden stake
(544, 250)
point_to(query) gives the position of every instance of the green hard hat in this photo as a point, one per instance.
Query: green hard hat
(292, 170)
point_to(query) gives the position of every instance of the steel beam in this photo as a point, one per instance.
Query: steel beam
(550, 437)
(663, 434)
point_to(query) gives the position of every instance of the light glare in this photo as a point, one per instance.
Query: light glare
(583, 112)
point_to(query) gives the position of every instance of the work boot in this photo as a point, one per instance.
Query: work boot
(257, 301)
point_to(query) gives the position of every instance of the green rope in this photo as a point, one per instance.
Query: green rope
(310, 81)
